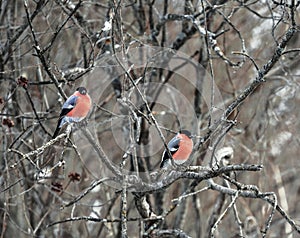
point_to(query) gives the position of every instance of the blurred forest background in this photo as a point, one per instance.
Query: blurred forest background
(138, 59)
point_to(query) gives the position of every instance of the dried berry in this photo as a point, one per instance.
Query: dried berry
(23, 81)
(74, 177)
(8, 122)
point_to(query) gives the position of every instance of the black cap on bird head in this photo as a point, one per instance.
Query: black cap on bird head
(82, 90)
(187, 133)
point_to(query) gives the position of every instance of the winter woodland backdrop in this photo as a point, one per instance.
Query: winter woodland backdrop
(226, 70)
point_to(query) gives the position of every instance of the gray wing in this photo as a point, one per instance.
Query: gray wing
(173, 146)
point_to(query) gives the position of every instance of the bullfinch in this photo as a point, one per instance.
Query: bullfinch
(75, 109)
(180, 146)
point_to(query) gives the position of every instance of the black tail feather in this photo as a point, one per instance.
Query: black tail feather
(56, 132)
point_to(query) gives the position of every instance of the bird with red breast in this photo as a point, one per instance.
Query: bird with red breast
(75, 109)
(180, 147)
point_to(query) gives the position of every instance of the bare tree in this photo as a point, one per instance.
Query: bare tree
(225, 70)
